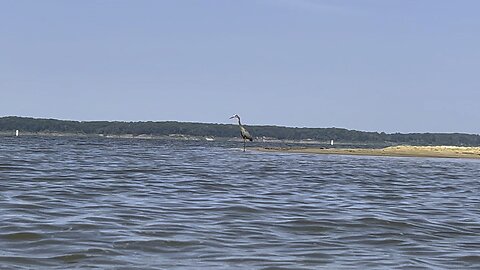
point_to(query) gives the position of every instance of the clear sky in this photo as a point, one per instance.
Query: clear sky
(374, 65)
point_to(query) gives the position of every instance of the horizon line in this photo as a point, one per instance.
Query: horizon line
(266, 125)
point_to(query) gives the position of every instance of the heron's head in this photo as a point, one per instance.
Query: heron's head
(235, 116)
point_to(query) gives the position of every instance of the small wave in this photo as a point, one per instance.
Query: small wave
(470, 259)
(22, 236)
(157, 245)
(387, 241)
(368, 221)
(21, 262)
(307, 226)
(241, 209)
(276, 268)
(71, 258)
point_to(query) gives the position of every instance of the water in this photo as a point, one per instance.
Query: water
(82, 203)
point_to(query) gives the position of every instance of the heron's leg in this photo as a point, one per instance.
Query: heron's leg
(244, 144)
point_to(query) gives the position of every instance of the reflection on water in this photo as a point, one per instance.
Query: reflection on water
(160, 204)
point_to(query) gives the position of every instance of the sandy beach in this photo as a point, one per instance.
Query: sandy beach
(394, 151)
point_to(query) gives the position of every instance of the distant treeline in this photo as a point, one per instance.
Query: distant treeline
(10, 124)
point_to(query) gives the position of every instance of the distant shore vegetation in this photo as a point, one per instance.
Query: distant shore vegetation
(9, 124)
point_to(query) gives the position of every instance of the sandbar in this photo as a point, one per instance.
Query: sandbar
(393, 151)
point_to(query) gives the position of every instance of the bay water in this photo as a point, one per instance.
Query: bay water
(98, 203)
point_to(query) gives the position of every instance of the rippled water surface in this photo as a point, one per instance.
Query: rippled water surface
(83, 203)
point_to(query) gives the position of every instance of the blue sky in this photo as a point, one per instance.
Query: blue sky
(375, 65)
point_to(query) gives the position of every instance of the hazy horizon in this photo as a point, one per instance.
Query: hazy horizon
(231, 123)
(381, 66)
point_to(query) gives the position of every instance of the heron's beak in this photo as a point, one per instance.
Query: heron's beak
(232, 117)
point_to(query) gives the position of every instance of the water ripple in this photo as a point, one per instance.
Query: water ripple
(150, 204)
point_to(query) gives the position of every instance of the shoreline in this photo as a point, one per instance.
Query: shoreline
(392, 151)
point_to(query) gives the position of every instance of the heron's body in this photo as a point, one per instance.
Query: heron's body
(243, 132)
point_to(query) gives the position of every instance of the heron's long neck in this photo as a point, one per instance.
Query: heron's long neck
(240, 124)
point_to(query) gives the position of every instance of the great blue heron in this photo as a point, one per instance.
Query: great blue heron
(245, 134)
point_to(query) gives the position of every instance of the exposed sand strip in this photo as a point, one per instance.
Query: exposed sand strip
(394, 151)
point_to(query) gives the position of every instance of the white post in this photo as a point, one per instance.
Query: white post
(16, 133)
(331, 142)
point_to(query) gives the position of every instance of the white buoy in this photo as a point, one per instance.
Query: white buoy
(331, 142)
(16, 133)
